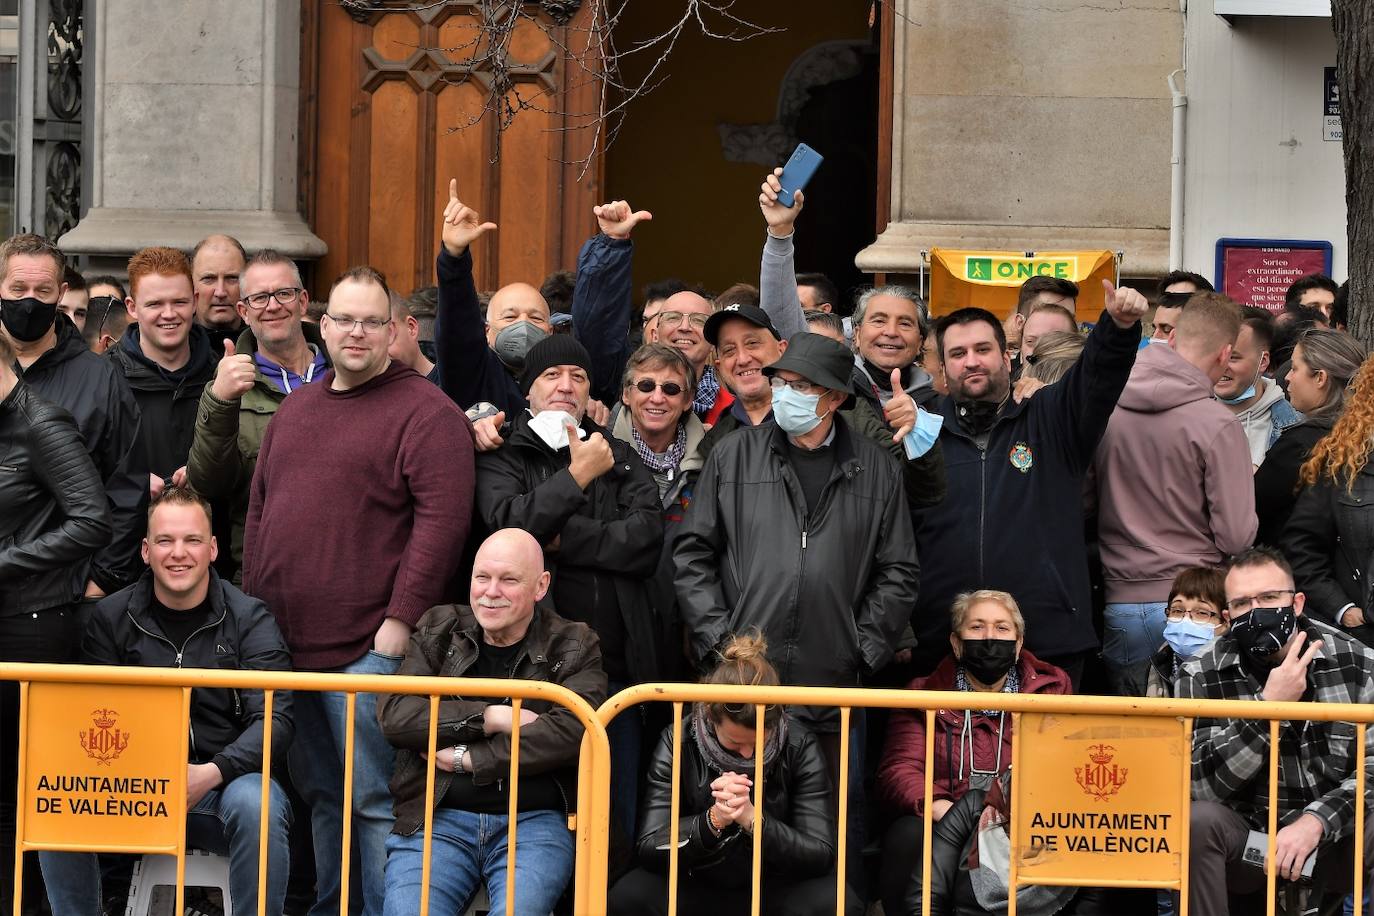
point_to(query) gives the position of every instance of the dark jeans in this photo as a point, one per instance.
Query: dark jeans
(47, 636)
(853, 832)
(645, 893)
(1215, 870)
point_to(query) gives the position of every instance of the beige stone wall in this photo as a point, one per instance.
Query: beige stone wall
(1031, 124)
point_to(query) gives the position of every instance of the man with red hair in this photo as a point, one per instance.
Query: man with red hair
(166, 358)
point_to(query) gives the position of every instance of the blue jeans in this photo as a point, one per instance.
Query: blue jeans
(468, 848)
(1131, 635)
(316, 761)
(225, 821)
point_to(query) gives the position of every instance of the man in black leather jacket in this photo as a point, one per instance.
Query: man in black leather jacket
(181, 614)
(53, 516)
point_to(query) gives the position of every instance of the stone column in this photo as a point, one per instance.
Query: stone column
(1021, 126)
(194, 128)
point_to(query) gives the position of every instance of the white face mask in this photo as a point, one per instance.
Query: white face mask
(552, 427)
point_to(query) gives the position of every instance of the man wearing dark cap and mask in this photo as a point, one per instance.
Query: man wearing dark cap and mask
(1274, 652)
(594, 508)
(800, 528)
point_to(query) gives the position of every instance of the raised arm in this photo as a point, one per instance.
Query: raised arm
(777, 273)
(602, 301)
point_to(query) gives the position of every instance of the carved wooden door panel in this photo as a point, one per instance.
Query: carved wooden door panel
(397, 101)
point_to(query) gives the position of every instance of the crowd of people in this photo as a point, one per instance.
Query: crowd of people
(202, 465)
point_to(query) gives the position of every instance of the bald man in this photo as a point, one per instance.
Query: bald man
(501, 633)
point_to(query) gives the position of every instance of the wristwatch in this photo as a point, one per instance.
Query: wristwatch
(459, 751)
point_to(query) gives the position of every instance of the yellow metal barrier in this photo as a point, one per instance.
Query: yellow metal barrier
(1161, 728)
(101, 742)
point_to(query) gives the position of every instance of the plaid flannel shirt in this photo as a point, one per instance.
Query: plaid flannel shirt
(1316, 759)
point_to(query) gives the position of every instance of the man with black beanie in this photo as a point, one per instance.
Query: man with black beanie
(594, 508)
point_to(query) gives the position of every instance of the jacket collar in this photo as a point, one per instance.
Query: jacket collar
(843, 445)
(139, 608)
(534, 647)
(696, 431)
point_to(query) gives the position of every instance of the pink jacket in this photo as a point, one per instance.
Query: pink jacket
(1175, 486)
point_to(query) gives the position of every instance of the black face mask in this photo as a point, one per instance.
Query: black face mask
(1263, 632)
(988, 660)
(27, 319)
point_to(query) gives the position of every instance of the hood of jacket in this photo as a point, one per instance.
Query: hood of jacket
(870, 382)
(1162, 380)
(68, 346)
(144, 374)
(247, 345)
(692, 459)
(1270, 396)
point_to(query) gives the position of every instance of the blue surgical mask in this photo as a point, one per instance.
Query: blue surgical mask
(1187, 638)
(924, 434)
(795, 413)
(1246, 395)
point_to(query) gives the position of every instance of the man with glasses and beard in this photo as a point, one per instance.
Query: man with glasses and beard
(1275, 652)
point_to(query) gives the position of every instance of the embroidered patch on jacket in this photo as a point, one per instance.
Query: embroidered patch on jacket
(1021, 457)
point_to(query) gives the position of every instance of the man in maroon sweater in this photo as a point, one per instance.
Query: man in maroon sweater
(357, 518)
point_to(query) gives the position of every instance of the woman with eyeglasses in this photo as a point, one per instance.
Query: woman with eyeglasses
(972, 748)
(1193, 617)
(1329, 538)
(717, 814)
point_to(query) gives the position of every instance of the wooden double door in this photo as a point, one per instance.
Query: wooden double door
(395, 102)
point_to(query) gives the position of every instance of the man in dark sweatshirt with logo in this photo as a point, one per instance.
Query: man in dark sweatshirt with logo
(166, 359)
(357, 518)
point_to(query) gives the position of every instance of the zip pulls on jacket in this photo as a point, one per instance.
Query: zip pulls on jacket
(181, 652)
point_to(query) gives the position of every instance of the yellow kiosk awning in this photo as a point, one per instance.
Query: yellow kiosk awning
(991, 279)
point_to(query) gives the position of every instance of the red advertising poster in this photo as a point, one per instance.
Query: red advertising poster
(1259, 271)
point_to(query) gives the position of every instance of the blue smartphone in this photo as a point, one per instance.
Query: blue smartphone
(798, 172)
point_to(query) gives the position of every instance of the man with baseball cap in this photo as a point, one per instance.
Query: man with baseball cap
(594, 508)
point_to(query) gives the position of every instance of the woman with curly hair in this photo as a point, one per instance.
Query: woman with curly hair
(1329, 538)
(1323, 364)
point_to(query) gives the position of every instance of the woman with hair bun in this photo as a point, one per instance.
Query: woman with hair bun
(716, 809)
(1329, 538)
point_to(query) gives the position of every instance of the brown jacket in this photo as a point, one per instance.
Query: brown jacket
(445, 643)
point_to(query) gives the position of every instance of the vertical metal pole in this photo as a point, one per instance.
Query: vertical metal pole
(1186, 832)
(513, 810)
(20, 807)
(265, 804)
(431, 762)
(759, 736)
(1359, 819)
(1013, 873)
(842, 821)
(674, 810)
(345, 859)
(1270, 871)
(181, 832)
(927, 820)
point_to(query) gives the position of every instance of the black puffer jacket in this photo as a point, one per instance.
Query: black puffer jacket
(1276, 481)
(831, 589)
(445, 644)
(226, 725)
(90, 389)
(53, 513)
(1329, 539)
(167, 400)
(798, 820)
(608, 536)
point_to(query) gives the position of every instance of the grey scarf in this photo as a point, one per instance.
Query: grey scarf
(723, 761)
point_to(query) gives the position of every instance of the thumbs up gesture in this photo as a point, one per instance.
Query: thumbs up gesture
(1125, 305)
(590, 458)
(617, 220)
(235, 374)
(900, 411)
(460, 227)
